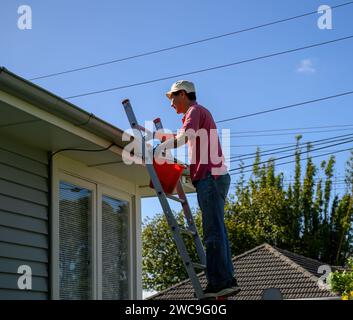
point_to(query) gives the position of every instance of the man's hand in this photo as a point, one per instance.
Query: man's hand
(162, 136)
(157, 151)
(161, 153)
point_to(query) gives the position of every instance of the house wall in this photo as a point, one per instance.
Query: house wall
(25, 238)
(24, 215)
(28, 203)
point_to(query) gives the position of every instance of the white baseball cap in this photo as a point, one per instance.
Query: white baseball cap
(181, 85)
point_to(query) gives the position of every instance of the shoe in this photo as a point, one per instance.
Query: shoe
(221, 291)
(234, 283)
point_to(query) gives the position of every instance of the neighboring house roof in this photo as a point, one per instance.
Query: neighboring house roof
(308, 264)
(262, 268)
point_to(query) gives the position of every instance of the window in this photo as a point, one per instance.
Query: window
(94, 241)
(75, 246)
(115, 248)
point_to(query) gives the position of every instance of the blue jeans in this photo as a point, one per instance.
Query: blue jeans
(211, 196)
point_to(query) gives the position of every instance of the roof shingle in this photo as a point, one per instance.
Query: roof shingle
(262, 268)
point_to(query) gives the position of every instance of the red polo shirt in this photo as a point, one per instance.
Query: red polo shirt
(205, 152)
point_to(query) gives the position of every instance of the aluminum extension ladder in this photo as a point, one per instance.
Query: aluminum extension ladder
(173, 225)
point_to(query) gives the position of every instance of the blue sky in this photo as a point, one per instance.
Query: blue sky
(70, 34)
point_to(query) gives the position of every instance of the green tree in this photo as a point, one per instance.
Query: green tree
(295, 225)
(349, 174)
(162, 265)
(317, 219)
(341, 229)
(342, 281)
(307, 207)
(254, 222)
(326, 231)
(328, 185)
(303, 218)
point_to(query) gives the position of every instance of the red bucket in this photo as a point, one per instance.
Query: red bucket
(168, 174)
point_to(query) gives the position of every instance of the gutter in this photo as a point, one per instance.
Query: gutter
(53, 104)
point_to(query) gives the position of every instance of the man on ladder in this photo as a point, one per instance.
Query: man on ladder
(211, 181)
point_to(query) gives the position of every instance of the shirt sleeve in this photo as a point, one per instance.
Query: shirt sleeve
(192, 120)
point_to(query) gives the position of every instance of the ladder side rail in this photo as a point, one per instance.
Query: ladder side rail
(191, 223)
(166, 208)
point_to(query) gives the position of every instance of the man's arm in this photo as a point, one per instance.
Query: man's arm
(163, 136)
(172, 140)
(175, 142)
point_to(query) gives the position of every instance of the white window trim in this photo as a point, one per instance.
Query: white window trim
(69, 170)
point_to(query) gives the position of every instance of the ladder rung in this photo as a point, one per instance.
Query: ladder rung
(188, 232)
(199, 265)
(175, 198)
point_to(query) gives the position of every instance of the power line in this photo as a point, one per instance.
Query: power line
(337, 186)
(275, 153)
(288, 156)
(299, 153)
(184, 44)
(261, 145)
(292, 129)
(293, 161)
(287, 183)
(211, 68)
(288, 134)
(291, 155)
(346, 138)
(288, 106)
(289, 129)
(317, 181)
(294, 146)
(335, 179)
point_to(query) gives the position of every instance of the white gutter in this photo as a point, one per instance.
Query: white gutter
(45, 100)
(53, 104)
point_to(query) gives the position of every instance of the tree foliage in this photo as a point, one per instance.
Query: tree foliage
(342, 281)
(162, 266)
(304, 216)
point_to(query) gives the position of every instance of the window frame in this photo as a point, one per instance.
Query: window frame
(99, 185)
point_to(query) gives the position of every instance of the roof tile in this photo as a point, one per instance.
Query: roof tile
(261, 268)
